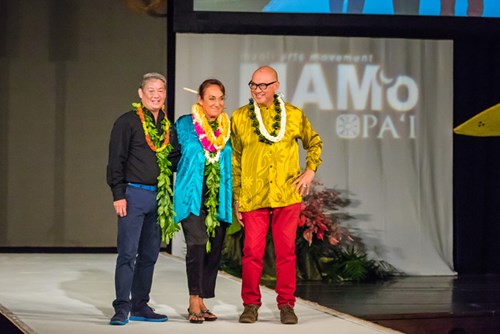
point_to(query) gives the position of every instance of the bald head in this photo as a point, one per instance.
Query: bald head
(267, 71)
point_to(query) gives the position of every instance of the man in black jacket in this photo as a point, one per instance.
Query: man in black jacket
(139, 146)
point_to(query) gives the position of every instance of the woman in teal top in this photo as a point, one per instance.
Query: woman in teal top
(203, 192)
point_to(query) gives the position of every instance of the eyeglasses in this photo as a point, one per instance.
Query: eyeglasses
(262, 86)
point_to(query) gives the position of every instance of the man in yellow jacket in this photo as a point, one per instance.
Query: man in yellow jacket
(268, 187)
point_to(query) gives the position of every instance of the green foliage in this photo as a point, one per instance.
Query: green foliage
(353, 265)
(164, 192)
(325, 250)
(231, 254)
(212, 174)
(164, 196)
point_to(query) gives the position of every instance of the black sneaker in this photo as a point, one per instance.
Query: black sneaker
(147, 314)
(120, 318)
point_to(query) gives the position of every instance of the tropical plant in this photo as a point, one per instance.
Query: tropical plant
(325, 249)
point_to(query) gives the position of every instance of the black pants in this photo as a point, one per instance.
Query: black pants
(202, 267)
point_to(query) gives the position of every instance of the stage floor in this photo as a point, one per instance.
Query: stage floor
(466, 304)
(72, 293)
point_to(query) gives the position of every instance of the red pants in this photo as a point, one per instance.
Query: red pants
(284, 230)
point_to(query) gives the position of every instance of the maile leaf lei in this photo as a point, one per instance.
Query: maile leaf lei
(212, 173)
(161, 146)
(213, 137)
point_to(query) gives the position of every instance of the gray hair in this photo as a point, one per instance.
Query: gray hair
(152, 76)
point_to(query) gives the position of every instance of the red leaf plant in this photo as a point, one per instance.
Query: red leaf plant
(318, 221)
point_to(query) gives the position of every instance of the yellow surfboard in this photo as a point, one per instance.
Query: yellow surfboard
(484, 124)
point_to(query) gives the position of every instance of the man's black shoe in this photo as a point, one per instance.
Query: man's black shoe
(120, 318)
(147, 314)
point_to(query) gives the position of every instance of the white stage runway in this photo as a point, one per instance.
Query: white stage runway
(72, 294)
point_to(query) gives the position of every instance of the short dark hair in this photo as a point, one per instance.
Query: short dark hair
(209, 82)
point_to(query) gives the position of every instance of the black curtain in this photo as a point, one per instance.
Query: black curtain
(476, 162)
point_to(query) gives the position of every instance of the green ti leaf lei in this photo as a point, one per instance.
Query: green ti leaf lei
(164, 193)
(255, 123)
(212, 174)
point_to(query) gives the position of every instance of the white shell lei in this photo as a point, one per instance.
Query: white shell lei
(263, 129)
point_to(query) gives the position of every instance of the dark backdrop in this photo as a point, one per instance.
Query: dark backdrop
(476, 163)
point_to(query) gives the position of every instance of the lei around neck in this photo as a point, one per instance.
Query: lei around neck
(213, 136)
(212, 140)
(161, 146)
(278, 127)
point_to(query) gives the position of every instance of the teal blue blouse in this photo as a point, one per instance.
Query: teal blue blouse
(190, 175)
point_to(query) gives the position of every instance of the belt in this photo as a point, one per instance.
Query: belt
(143, 186)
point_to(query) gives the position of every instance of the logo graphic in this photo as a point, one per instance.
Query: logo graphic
(348, 126)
